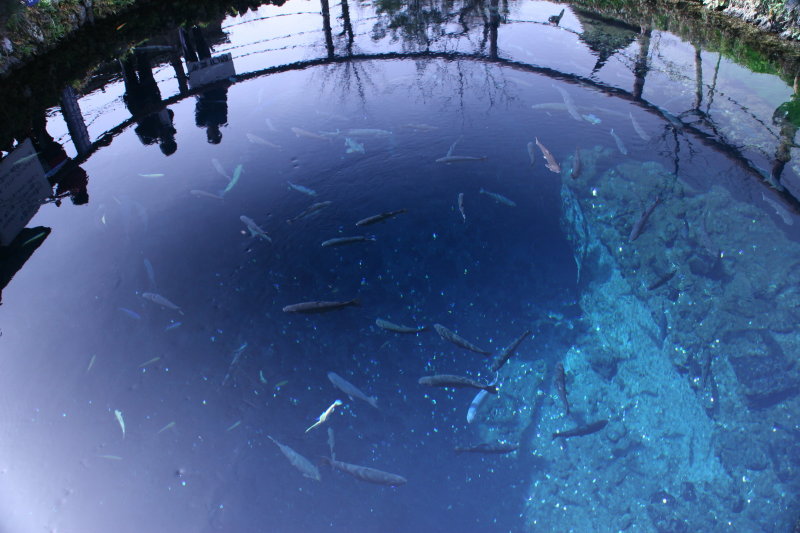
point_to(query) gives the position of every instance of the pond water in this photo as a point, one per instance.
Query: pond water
(623, 195)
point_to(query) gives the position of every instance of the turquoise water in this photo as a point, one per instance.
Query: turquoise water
(148, 359)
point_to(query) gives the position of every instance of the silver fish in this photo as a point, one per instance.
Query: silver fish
(353, 146)
(237, 173)
(550, 161)
(254, 229)
(255, 139)
(299, 132)
(318, 307)
(368, 132)
(448, 335)
(390, 326)
(302, 189)
(477, 401)
(379, 217)
(205, 194)
(325, 415)
(305, 466)
(339, 241)
(120, 420)
(456, 382)
(531, 152)
(351, 390)
(498, 197)
(639, 131)
(571, 108)
(310, 210)
(218, 167)
(160, 300)
(461, 207)
(620, 146)
(365, 473)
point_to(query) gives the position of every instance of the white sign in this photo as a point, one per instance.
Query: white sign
(210, 70)
(23, 186)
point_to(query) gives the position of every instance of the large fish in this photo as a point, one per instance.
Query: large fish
(580, 431)
(498, 197)
(351, 390)
(305, 466)
(561, 386)
(550, 161)
(365, 473)
(379, 217)
(570, 104)
(488, 447)
(507, 352)
(456, 382)
(639, 131)
(160, 300)
(310, 210)
(318, 307)
(448, 335)
(638, 227)
(339, 241)
(391, 326)
(368, 132)
(254, 229)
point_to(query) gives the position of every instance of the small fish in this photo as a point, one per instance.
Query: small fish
(351, 390)
(339, 241)
(488, 447)
(620, 146)
(302, 464)
(638, 227)
(110, 457)
(390, 326)
(331, 443)
(150, 362)
(280, 384)
(379, 217)
(318, 306)
(448, 335)
(205, 194)
(237, 353)
(498, 198)
(118, 416)
(461, 207)
(571, 108)
(325, 415)
(561, 386)
(234, 425)
(255, 139)
(168, 426)
(132, 314)
(152, 175)
(310, 210)
(172, 326)
(160, 300)
(505, 354)
(368, 132)
(550, 161)
(365, 473)
(218, 168)
(592, 119)
(353, 146)
(121, 26)
(254, 229)
(639, 131)
(577, 166)
(302, 189)
(580, 431)
(531, 152)
(421, 127)
(237, 173)
(458, 382)
(460, 158)
(261, 377)
(91, 362)
(299, 132)
(270, 125)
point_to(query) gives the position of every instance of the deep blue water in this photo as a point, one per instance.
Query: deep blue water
(200, 390)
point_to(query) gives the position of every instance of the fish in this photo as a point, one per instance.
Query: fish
(254, 229)
(160, 300)
(374, 219)
(172, 326)
(318, 306)
(456, 382)
(531, 152)
(365, 473)
(329, 114)
(110, 457)
(580, 431)
(237, 173)
(351, 390)
(620, 146)
(205, 194)
(498, 198)
(325, 415)
(390, 326)
(368, 132)
(302, 189)
(477, 401)
(592, 119)
(234, 425)
(638, 227)
(237, 354)
(150, 362)
(459, 158)
(488, 447)
(270, 125)
(448, 335)
(461, 207)
(218, 167)
(577, 165)
(663, 280)
(151, 273)
(261, 377)
(91, 362)
(118, 416)
(34, 238)
(280, 384)
(133, 314)
(154, 175)
(570, 104)
(561, 386)
(310, 210)
(507, 352)
(421, 127)
(353, 146)
(639, 131)
(299, 132)
(255, 139)
(302, 464)
(339, 241)
(550, 161)
(331, 443)
(166, 427)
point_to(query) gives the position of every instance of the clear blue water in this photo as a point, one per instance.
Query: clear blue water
(120, 414)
